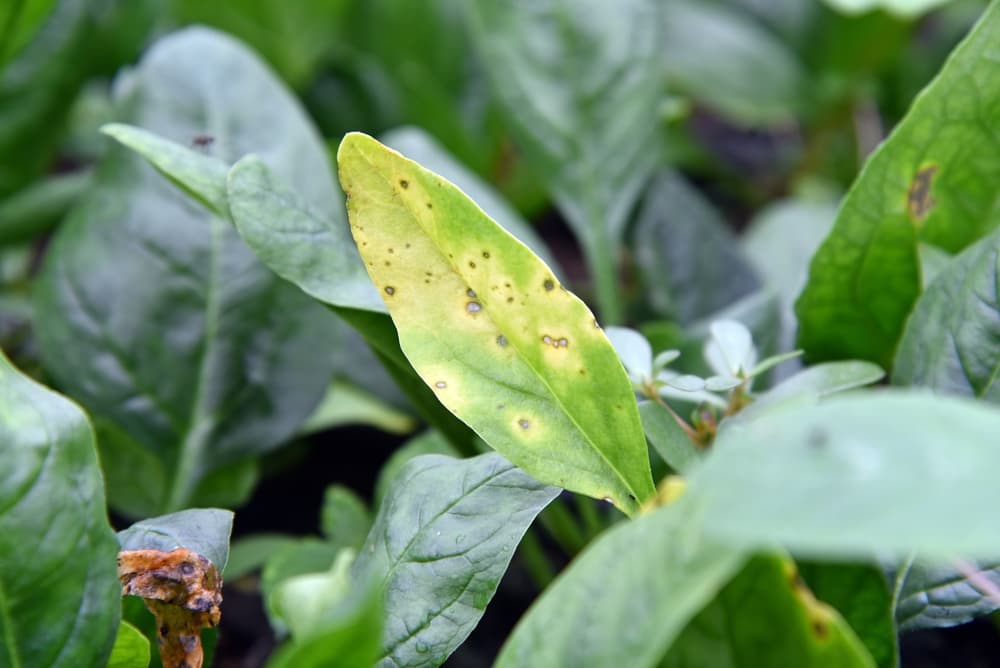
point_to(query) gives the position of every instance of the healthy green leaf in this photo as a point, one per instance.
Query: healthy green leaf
(892, 473)
(488, 326)
(812, 384)
(667, 437)
(918, 186)
(690, 262)
(441, 542)
(629, 594)
(304, 556)
(155, 315)
(302, 601)
(428, 443)
(34, 210)
(903, 8)
(938, 595)
(344, 403)
(250, 553)
(347, 636)
(204, 531)
(717, 54)
(59, 591)
(581, 85)
(306, 245)
(344, 517)
(420, 147)
(131, 648)
(861, 594)
(952, 341)
(741, 622)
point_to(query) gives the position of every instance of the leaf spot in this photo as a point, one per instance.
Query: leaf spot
(473, 307)
(486, 255)
(547, 340)
(549, 285)
(501, 340)
(389, 290)
(523, 424)
(500, 407)
(440, 384)
(404, 184)
(391, 251)
(472, 265)
(918, 199)
(563, 342)
(471, 293)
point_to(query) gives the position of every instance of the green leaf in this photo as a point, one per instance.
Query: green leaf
(344, 404)
(347, 635)
(486, 324)
(810, 385)
(902, 8)
(741, 622)
(891, 472)
(76, 40)
(952, 341)
(716, 55)
(204, 531)
(34, 210)
(302, 601)
(306, 555)
(635, 353)
(344, 517)
(629, 594)
(155, 315)
(131, 648)
(428, 443)
(441, 542)
(293, 37)
(690, 262)
(304, 244)
(250, 553)
(935, 180)
(581, 85)
(59, 591)
(424, 149)
(200, 175)
(667, 437)
(938, 595)
(861, 594)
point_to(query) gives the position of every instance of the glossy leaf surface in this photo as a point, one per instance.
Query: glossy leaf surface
(441, 542)
(935, 180)
(59, 591)
(489, 328)
(156, 316)
(202, 530)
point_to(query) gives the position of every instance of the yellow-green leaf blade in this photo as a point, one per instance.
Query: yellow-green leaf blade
(488, 327)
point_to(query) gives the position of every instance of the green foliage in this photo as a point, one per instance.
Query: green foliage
(197, 280)
(59, 600)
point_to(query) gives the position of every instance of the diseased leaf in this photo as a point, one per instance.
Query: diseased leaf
(952, 341)
(630, 593)
(891, 473)
(441, 542)
(155, 315)
(59, 597)
(131, 648)
(860, 593)
(581, 85)
(489, 328)
(936, 180)
(205, 531)
(741, 622)
(420, 147)
(690, 262)
(938, 595)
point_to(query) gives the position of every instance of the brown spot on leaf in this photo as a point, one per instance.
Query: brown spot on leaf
(183, 590)
(548, 284)
(404, 184)
(486, 255)
(820, 629)
(919, 200)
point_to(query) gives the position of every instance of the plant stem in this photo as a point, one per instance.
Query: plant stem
(563, 527)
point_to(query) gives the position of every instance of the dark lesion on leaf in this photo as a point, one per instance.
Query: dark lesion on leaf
(919, 201)
(183, 590)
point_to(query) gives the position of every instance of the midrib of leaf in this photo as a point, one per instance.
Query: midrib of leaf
(196, 438)
(8, 626)
(485, 302)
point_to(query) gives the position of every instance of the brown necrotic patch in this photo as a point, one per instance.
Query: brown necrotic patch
(919, 201)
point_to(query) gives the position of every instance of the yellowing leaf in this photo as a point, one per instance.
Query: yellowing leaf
(488, 327)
